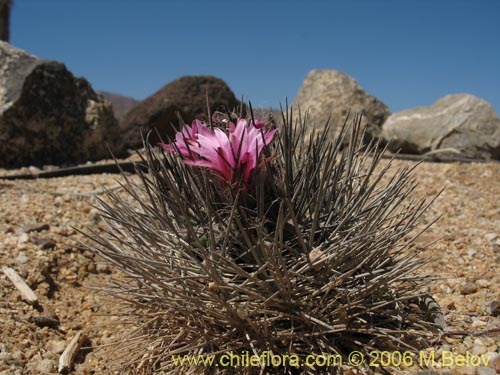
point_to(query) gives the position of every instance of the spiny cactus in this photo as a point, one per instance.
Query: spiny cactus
(290, 246)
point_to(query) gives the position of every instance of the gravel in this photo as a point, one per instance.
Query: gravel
(39, 238)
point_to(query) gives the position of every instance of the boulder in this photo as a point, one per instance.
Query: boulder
(459, 125)
(332, 94)
(47, 116)
(121, 104)
(185, 97)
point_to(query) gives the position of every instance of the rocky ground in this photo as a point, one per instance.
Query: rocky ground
(39, 240)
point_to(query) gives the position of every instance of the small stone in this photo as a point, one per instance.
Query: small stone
(493, 308)
(486, 371)
(94, 216)
(491, 236)
(45, 366)
(471, 253)
(102, 268)
(23, 238)
(317, 258)
(49, 355)
(34, 170)
(17, 355)
(465, 370)
(48, 318)
(483, 283)
(44, 243)
(476, 322)
(213, 287)
(495, 362)
(5, 356)
(36, 227)
(56, 346)
(468, 288)
(479, 349)
(22, 259)
(58, 201)
(44, 321)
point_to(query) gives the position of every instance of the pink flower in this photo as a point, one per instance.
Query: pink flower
(233, 153)
(186, 138)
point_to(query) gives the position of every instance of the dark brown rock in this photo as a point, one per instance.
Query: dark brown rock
(47, 116)
(184, 97)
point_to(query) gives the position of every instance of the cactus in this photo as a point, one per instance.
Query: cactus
(308, 253)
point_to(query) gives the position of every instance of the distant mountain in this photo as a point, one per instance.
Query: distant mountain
(121, 104)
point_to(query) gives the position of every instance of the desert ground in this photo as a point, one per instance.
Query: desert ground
(39, 240)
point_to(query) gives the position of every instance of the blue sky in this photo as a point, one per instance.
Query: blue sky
(406, 53)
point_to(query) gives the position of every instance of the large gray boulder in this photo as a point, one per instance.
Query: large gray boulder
(47, 116)
(330, 93)
(457, 125)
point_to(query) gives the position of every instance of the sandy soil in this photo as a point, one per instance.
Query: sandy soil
(38, 241)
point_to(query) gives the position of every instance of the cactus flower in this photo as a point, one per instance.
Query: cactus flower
(233, 153)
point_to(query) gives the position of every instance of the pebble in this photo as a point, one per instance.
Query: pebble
(44, 243)
(36, 227)
(468, 288)
(490, 236)
(17, 355)
(58, 201)
(5, 356)
(23, 238)
(479, 349)
(465, 370)
(22, 259)
(495, 362)
(45, 366)
(34, 170)
(56, 346)
(493, 308)
(102, 268)
(486, 371)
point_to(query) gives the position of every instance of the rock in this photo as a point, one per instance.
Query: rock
(186, 96)
(56, 346)
(485, 371)
(45, 366)
(121, 104)
(22, 259)
(47, 116)
(46, 318)
(5, 356)
(465, 370)
(479, 349)
(495, 362)
(44, 243)
(463, 124)
(23, 238)
(36, 227)
(468, 288)
(490, 236)
(326, 93)
(102, 268)
(493, 308)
